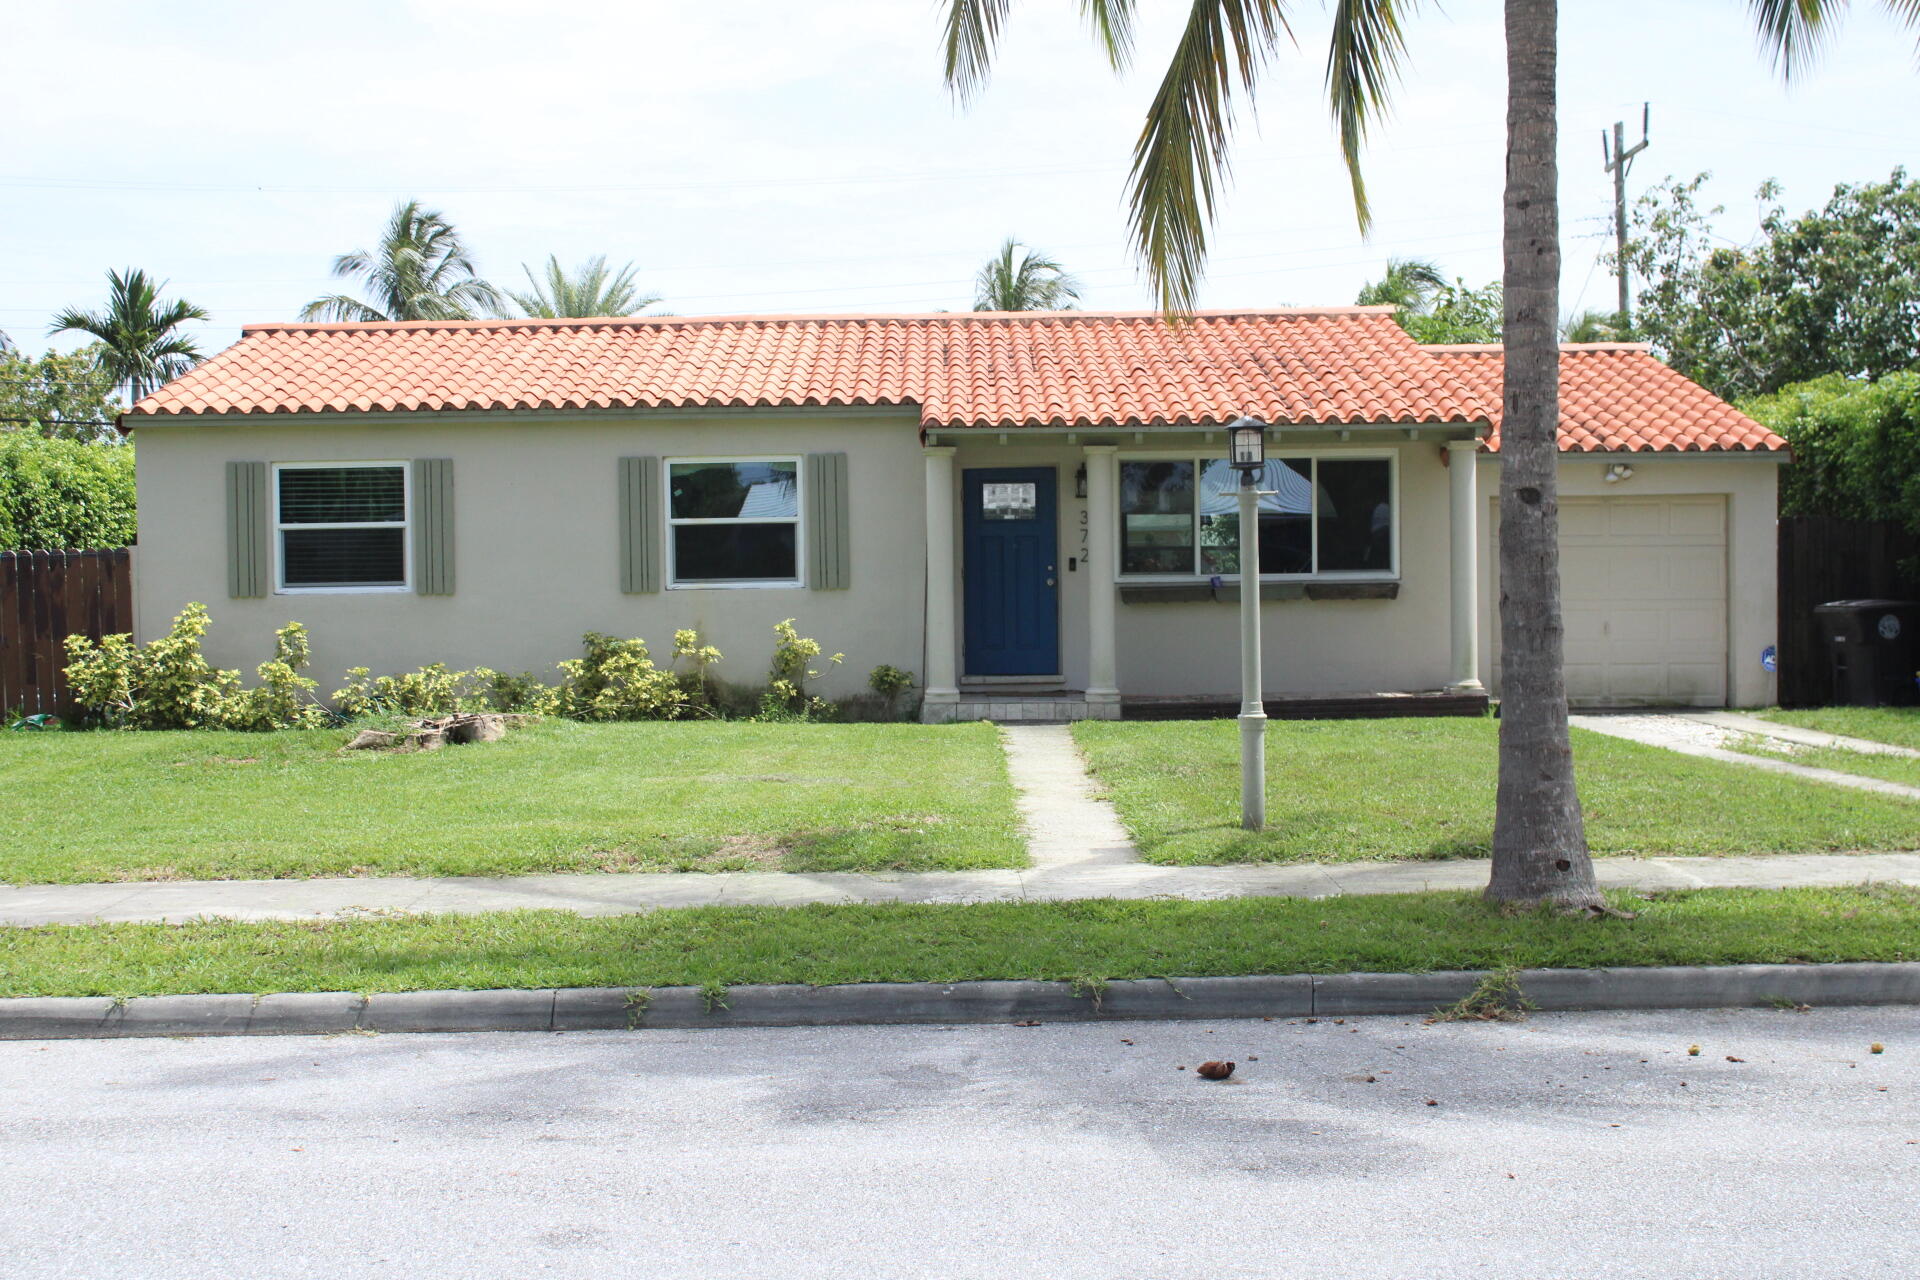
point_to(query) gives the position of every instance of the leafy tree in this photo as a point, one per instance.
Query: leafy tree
(1409, 284)
(591, 290)
(1430, 308)
(63, 495)
(63, 395)
(1833, 291)
(1856, 446)
(419, 271)
(138, 348)
(1022, 279)
(1539, 842)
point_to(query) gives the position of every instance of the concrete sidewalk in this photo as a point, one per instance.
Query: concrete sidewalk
(627, 893)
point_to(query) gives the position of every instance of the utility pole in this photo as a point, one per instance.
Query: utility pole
(1619, 158)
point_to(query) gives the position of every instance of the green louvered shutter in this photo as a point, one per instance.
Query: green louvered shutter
(433, 526)
(639, 525)
(247, 537)
(830, 552)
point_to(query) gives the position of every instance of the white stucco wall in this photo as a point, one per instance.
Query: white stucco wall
(536, 545)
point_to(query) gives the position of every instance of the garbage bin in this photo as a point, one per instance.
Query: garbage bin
(1874, 646)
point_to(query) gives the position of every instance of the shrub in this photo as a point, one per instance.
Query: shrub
(62, 495)
(169, 684)
(787, 697)
(617, 680)
(433, 690)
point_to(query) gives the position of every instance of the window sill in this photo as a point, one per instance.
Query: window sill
(789, 585)
(344, 591)
(1270, 592)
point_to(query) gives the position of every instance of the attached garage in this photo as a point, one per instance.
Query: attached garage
(1643, 585)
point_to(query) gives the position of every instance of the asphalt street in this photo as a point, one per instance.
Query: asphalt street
(1574, 1145)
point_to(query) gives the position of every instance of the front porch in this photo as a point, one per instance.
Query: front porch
(1038, 608)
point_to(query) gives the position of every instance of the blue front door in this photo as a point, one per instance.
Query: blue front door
(1012, 601)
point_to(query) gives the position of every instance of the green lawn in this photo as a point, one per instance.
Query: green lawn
(1340, 791)
(1892, 768)
(555, 796)
(1062, 941)
(1898, 726)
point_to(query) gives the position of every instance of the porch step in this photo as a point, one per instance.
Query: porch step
(1028, 708)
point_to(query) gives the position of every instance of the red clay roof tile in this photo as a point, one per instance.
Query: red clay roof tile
(1617, 397)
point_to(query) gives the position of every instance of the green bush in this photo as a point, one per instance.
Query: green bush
(63, 495)
(786, 697)
(169, 684)
(1856, 446)
(617, 680)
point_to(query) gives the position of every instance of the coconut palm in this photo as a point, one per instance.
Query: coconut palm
(1410, 284)
(1539, 842)
(591, 290)
(139, 348)
(420, 271)
(1022, 279)
(1597, 326)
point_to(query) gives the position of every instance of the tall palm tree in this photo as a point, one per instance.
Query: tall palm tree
(591, 290)
(420, 271)
(1410, 283)
(138, 348)
(1539, 843)
(1022, 279)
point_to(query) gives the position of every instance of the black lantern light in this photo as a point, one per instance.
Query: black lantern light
(1247, 445)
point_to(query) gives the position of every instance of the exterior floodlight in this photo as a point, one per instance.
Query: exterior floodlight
(1247, 445)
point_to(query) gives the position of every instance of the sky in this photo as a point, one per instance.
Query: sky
(772, 156)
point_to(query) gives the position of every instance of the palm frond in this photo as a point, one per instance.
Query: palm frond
(338, 308)
(1112, 23)
(1018, 278)
(972, 29)
(1793, 31)
(420, 270)
(138, 346)
(1409, 283)
(1182, 152)
(1363, 67)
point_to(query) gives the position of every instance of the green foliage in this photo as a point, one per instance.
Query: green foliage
(1856, 446)
(1019, 278)
(1833, 291)
(1457, 313)
(889, 681)
(284, 698)
(1599, 326)
(433, 690)
(138, 346)
(787, 697)
(64, 395)
(419, 271)
(591, 289)
(62, 495)
(168, 684)
(617, 680)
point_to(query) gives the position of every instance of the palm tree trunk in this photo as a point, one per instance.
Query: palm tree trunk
(1539, 841)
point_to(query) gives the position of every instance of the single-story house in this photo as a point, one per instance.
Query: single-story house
(1026, 510)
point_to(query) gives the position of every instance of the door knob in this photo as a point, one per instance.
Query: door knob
(1049, 581)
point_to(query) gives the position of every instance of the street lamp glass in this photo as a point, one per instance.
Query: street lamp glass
(1247, 444)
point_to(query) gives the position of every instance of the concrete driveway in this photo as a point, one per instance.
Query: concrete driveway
(1567, 1146)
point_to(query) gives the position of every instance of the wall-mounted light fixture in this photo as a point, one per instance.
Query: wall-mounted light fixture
(1080, 481)
(1618, 471)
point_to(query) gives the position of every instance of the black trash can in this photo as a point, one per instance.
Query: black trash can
(1874, 646)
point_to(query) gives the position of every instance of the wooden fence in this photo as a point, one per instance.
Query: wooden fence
(1823, 558)
(45, 596)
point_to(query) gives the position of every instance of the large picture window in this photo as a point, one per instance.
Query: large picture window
(734, 522)
(1317, 516)
(341, 526)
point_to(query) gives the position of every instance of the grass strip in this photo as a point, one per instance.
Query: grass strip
(1897, 726)
(1863, 764)
(1064, 941)
(1349, 790)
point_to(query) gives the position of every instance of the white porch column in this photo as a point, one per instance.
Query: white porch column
(943, 640)
(1463, 462)
(1103, 562)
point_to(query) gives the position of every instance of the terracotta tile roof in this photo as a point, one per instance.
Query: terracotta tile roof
(968, 369)
(1616, 396)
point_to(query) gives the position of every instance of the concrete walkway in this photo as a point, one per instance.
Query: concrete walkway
(1707, 734)
(626, 893)
(1068, 824)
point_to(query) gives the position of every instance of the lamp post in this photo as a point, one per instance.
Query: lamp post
(1247, 452)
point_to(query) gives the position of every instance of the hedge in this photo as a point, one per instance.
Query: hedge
(63, 495)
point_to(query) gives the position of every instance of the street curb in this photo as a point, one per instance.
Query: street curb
(885, 1003)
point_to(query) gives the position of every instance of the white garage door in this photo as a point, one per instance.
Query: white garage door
(1643, 585)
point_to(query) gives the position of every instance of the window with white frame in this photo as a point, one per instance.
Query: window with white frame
(341, 526)
(1180, 517)
(734, 521)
